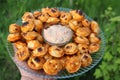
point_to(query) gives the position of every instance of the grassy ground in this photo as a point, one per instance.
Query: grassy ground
(12, 10)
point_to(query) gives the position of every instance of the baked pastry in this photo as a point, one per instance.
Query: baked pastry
(38, 25)
(56, 51)
(94, 47)
(54, 67)
(86, 60)
(39, 38)
(23, 53)
(53, 40)
(30, 35)
(28, 16)
(45, 10)
(73, 64)
(33, 44)
(86, 23)
(83, 48)
(63, 61)
(20, 44)
(52, 20)
(14, 28)
(40, 51)
(47, 56)
(53, 12)
(27, 26)
(70, 48)
(94, 38)
(14, 37)
(95, 27)
(77, 15)
(83, 31)
(74, 25)
(65, 17)
(36, 14)
(43, 17)
(36, 62)
(81, 40)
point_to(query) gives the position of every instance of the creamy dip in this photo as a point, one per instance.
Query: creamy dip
(57, 34)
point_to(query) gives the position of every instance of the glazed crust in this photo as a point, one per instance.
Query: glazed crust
(95, 27)
(38, 25)
(52, 20)
(40, 51)
(73, 64)
(74, 25)
(86, 23)
(83, 48)
(65, 17)
(20, 44)
(23, 53)
(33, 44)
(36, 62)
(14, 37)
(53, 12)
(54, 67)
(94, 47)
(77, 15)
(27, 26)
(94, 38)
(70, 49)
(81, 40)
(56, 51)
(83, 31)
(86, 60)
(30, 35)
(14, 28)
(28, 16)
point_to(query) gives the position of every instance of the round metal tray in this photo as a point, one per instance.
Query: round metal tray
(62, 74)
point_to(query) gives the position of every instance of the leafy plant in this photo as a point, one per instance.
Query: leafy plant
(109, 68)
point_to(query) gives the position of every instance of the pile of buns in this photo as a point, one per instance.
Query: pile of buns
(31, 47)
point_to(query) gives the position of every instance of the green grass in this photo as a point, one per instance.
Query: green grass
(12, 10)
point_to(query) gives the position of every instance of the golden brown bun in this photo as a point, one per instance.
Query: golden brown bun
(20, 44)
(74, 25)
(40, 51)
(83, 31)
(56, 51)
(73, 64)
(94, 47)
(28, 16)
(36, 62)
(83, 48)
(30, 35)
(52, 20)
(43, 17)
(33, 44)
(27, 26)
(14, 28)
(54, 67)
(86, 23)
(77, 15)
(81, 40)
(95, 27)
(53, 12)
(23, 53)
(65, 17)
(36, 14)
(94, 38)
(70, 48)
(14, 37)
(38, 25)
(86, 60)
